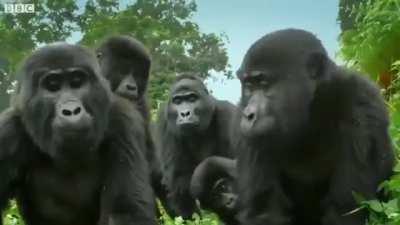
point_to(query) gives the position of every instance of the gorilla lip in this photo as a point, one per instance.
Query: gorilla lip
(132, 97)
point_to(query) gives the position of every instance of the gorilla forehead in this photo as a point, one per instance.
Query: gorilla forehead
(187, 84)
(61, 55)
(282, 48)
(125, 46)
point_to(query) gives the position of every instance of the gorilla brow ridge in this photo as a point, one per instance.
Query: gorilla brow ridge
(196, 78)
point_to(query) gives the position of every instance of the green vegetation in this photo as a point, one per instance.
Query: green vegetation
(372, 46)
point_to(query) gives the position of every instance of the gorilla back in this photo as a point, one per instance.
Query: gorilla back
(312, 133)
(67, 152)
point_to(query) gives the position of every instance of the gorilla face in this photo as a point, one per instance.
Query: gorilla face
(124, 75)
(125, 62)
(223, 197)
(190, 107)
(65, 101)
(276, 94)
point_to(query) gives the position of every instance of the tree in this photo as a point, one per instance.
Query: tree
(20, 33)
(165, 27)
(347, 13)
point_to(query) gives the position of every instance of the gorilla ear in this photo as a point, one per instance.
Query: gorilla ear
(317, 65)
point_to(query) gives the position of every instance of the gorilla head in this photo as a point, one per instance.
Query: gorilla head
(190, 107)
(64, 101)
(125, 62)
(271, 90)
(213, 183)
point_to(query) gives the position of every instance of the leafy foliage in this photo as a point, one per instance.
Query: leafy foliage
(372, 46)
(165, 27)
(346, 15)
(206, 218)
(11, 216)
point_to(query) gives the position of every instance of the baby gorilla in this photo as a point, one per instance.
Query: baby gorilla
(214, 185)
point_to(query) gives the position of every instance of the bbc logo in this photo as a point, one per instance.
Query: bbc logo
(16, 8)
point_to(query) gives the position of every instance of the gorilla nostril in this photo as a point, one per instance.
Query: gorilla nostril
(66, 112)
(251, 116)
(131, 87)
(185, 114)
(77, 110)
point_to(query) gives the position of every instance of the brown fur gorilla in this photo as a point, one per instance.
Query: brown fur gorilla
(312, 133)
(71, 151)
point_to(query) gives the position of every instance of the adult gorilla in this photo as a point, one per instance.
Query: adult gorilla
(312, 132)
(71, 151)
(192, 126)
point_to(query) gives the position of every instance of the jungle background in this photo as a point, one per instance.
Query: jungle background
(369, 42)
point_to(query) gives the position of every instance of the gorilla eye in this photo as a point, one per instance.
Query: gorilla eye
(177, 100)
(248, 85)
(77, 79)
(192, 98)
(264, 83)
(222, 188)
(52, 83)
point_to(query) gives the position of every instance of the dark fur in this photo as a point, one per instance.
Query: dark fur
(101, 178)
(204, 178)
(327, 135)
(110, 53)
(181, 153)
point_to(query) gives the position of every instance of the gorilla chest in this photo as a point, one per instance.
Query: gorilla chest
(65, 198)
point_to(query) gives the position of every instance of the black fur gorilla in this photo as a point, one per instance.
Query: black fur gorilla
(125, 62)
(192, 126)
(214, 185)
(71, 151)
(312, 134)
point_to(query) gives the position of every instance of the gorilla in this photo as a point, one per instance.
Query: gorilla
(192, 126)
(214, 185)
(71, 151)
(311, 134)
(125, 62)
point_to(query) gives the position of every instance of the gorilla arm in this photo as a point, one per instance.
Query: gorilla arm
(11, 156)
(366, 156)
(127, 196)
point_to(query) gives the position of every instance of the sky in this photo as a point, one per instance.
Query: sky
(246, 21)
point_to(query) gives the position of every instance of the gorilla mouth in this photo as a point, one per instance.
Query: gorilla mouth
(188, 124)
(128, 95)
(257, 127)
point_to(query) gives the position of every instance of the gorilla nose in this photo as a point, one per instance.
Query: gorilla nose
(185, 114)
(71, 110)
(250, 113)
